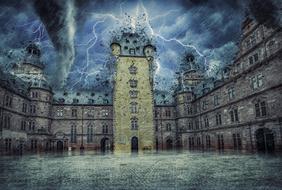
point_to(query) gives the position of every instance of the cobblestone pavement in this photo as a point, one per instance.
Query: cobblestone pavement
(171, 170)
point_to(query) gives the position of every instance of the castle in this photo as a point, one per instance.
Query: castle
(242, 110)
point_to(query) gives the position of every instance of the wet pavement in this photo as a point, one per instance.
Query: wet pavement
(168, 170)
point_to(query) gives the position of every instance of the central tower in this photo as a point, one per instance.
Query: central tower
(133, 93)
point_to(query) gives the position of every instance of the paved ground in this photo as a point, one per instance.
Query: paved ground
(187, 170)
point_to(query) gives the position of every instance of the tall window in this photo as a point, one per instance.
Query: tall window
(8, 144)
(190, 126)
(134, 123)
(218, 119)
(24, 108)
(237, 142)
(105, 129)
(234, 115)
(220, 142)
(8, 101)
(231, 93)
(90, 134)
(198, 142)
(32, 109)
(23, 125)
(74, 112)
(216, 100)
(191, 142)
(197, 124)
(256, 81)
(168, 127)
(7, 122)
(208, 141)
(253, 58)
(206, 119)
(133, 107)
(260, 108)
(204, 104)
(73, 134)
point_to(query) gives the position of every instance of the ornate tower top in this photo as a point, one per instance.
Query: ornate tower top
(32, 56)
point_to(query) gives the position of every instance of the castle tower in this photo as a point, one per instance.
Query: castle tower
(133, 94)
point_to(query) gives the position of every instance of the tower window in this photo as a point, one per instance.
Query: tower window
(132, 51)
(133, 107)
(133, 93)
(133, 83)
(134, 123)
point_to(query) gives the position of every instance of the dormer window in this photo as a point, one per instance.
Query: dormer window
(125, 47)
(127, 41)
(132, 51)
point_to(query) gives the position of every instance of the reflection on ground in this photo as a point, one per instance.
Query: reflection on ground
(166, 170)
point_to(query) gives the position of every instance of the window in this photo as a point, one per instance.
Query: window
(251, 41)
(218, 119)
(189, 110)
(197, 124)
(132, 69)
(204, 104)
(156, 127)
(190, 126)
(253, 59)
(256, 81)
(133, 107)
(198, 142)
(90, 113)
(90, 134)
(167, 113)
(134, 123)
(231, 93)
(105, 129)
(133, 83)
(24, 108)
(208, 142)
(60, 112)
(7, 122)
(237, 142)
(8, 101)
(8, 144)
(104, 113)
(168, 127)
(260, 109)
(33, 144)
(31, 125)
(191, 142)
(220, 142)
(215, 100)
(133, 93)
(75, 101)
(32, 109)
(23, 125)
(206, 121)
(156, 113)
(74, 112)
(132, 51)
(73, 134)
(234, 115)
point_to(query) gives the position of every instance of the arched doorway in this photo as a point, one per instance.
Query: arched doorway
(60, 145)
(105, 144)
(134, 144)
(169, 144)
(265, 140)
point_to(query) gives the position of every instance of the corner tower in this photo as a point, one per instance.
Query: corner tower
(133, 94)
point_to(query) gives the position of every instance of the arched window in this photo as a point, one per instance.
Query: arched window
(105, 129)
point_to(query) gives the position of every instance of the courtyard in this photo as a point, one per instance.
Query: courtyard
(166, 170)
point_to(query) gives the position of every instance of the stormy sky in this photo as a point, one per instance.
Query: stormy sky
(75, 35)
